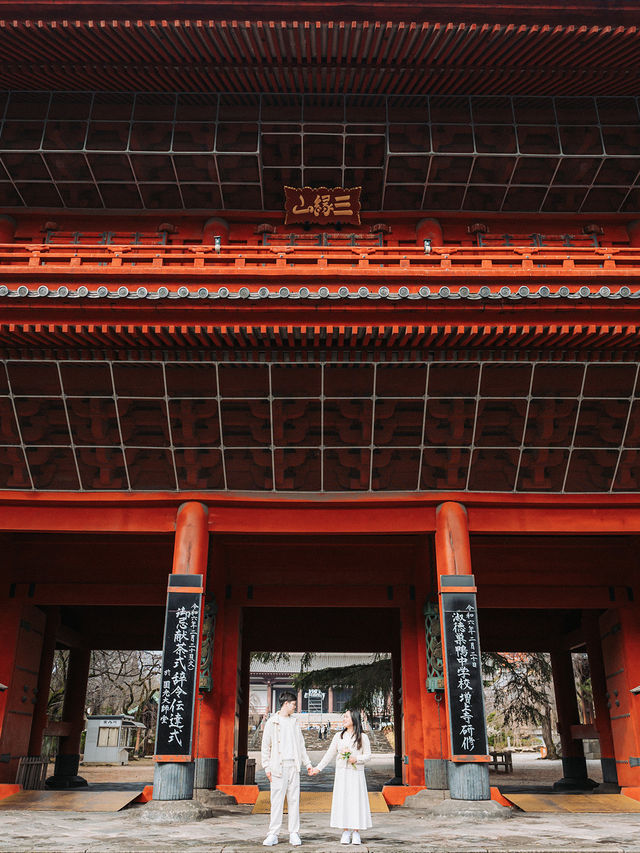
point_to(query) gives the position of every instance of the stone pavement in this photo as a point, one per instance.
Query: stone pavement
(233, 829)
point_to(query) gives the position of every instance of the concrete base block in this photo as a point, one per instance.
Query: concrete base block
(472, 809)
(426, 800)
(214, 799)
(174, 811)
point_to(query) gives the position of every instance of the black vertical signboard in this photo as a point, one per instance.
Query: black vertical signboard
(179, 667)
(463, 665)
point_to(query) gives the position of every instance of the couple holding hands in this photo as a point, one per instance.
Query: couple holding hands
(283, 751)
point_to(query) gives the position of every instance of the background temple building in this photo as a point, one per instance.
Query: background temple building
(272, 678)
(315, 429)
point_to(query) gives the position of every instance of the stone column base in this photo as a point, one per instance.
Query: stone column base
(469, 781)
(206, 773)
(574, 776)
(65, 774)
(609, 771)
(173, 780)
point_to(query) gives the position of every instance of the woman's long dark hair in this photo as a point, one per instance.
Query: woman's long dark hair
(356, 719)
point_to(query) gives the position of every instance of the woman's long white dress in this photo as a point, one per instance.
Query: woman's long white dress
(350, 803)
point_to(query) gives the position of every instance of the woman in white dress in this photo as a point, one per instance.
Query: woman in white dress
(350, 804)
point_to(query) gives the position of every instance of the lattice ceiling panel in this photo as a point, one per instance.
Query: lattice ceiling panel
(129, 151)
(473, 426)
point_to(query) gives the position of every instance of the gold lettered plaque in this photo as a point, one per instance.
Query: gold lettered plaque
(322, 205)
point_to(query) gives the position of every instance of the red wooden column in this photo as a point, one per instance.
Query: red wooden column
(174, 780)
(39, 722)
(620, 633)
(65, 774)
(599, 688)
(434, 718)
(210, 696)
(412, 686)
(229, 644)
(574, 765)
(468, 779)
(396, 695)
(243, 714)
(21, 630)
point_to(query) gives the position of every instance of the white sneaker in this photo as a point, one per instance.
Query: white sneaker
(346, 837)
(295, 840)
(355, 838)
(270, 840)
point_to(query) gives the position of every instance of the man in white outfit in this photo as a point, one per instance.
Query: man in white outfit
(283, 751)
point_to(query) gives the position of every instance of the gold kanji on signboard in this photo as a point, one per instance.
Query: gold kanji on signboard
(322, 205)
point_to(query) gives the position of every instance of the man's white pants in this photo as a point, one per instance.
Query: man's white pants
(288, 784)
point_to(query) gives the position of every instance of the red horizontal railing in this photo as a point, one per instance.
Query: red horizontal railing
(43, 262)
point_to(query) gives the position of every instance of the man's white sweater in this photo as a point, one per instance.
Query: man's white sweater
(271, 752)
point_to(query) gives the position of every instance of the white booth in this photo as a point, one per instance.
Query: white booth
(110, 738)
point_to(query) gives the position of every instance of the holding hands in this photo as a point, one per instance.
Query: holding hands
(313, 771)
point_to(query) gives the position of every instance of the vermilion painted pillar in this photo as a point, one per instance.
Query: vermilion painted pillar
(243, 715)
(65, 774)
(10, 613)
(620, 633)
(599, 690)
(574, 765)
(434, 716)
(39, 722)
(413, 769)
(21, 630)
(469, 779)
(396, 690)
(453, 548)
(174, 780)
(230, 642)
(209, 700)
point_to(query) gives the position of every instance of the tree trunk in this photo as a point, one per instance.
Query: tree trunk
(547, 737)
